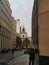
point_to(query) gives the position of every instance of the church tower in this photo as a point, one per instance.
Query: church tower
(23, 33)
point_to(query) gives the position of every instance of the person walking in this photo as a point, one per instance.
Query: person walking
(31, 56)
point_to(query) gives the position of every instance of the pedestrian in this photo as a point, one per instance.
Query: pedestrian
(12, 50)
(31, 56)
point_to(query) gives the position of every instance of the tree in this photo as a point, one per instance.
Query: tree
(26, 42)
(18, 41)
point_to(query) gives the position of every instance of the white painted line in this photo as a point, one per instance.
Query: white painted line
(15, 60)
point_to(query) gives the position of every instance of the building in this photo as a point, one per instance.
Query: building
(14, 34)
(35, 26)
(5, 25)
(43, 29)
(23, 34)
(31, 45)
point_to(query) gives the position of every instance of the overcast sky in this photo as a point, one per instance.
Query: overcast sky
(22, 9)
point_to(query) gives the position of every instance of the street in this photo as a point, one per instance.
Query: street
(24, 60)
(7, 57)
(17, 58)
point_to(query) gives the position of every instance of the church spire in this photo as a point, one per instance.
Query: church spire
(20, 29)
(23, 29)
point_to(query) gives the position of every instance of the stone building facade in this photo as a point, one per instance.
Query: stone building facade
(14, 34)
(5, 25)
(44, 27)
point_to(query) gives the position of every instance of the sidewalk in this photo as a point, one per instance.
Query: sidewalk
(24, 60)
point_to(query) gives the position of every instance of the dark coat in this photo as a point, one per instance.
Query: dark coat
(31, 54)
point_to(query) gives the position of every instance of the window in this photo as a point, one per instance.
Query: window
(0, 28)
(23, 35)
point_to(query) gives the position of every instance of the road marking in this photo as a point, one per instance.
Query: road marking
(14, 60)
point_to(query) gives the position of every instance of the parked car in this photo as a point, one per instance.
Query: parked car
(4, 50)
(3, 63)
